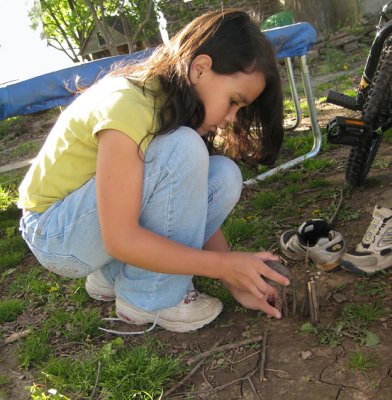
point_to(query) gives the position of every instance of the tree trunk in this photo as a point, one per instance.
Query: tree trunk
(318, 12)
(102, 26)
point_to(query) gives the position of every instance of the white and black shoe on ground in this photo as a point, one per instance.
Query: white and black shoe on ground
(316, 240)
(374, 252)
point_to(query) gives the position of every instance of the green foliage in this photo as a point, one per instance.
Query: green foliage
(237, 230)
(37, 393)
(360, 362)
(353, 323)
(313, 164)
(265, 200)
(12, 246)
(4, 380)
(10, 309)
(35, 348)
(12, 251)
(67, 24)
(7, 198)
(134, 372)
(26, 149)
(10, 125)
(366, 312)
(373, 286)
(388, 136)
(79, 324)
(318, 183)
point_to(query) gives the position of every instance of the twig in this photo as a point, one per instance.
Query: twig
(224, 347)
(262, 361)
(285, 307)
(294, 286)
(247, 376)
(16, 336)
(332, 219)
(186, 377)
(215, 389)
(96, 381)
(245, 358)
(200, 358)
(305, 302)
(313, 301)
(179, 384)
(249, 379)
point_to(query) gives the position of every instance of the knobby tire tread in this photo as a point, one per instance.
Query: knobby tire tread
(361, 157)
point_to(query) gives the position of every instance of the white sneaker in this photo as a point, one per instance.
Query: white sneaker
(193, 312)
(98, 287)
(315, 239)
(374, 253)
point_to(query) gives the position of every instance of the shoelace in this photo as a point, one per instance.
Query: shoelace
(372, 230)
(128, 333)
(190, 295)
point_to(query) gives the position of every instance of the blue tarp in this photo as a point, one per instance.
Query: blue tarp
(58, 88)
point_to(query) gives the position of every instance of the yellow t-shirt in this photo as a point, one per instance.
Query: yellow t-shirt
(67, 160)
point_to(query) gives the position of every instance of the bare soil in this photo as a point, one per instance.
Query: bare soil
(296, 366)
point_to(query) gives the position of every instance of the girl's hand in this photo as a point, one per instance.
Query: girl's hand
(247, 300)
(243, 275)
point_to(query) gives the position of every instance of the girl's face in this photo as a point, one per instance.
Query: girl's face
(223, 95)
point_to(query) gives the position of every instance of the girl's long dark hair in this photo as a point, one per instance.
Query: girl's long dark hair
(234, 43)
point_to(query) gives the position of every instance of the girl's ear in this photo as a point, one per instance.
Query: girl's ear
(199, 66)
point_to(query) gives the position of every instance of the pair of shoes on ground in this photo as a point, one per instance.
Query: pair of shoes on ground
(325, 247)
(193, 312)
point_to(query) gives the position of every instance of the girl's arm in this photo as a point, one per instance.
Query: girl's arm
(119, 195)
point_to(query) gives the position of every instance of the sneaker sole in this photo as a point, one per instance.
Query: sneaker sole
(329, 267)
(140, 318)
(293, 256)
(99, 294)
(348, 266)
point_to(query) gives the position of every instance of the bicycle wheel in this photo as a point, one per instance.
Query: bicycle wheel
(377, 110)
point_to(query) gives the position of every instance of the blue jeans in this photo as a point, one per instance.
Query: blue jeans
(186, 197)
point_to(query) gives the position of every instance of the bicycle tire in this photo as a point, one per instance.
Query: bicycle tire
(379, 97)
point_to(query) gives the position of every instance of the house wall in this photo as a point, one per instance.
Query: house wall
(370, 7)
(352, 11)
(92, 44)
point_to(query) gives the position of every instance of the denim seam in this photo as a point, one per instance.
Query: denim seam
(153, 291)
(81, 217)
(69, 227)
(214, 193)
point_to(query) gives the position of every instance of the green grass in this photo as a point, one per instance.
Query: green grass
(79, 324)
(265, 200)
(336, 60)
(364, 312)
(373, 287)
(237, 230)
(353, 323)
(125, 371)
(36, 348)
(7, 198)
(10, 309)
(360, 362)
(388, 136)
(26, 149)
(13, 124)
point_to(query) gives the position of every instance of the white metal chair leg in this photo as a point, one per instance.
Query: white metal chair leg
(317, 138)
(294, 95)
